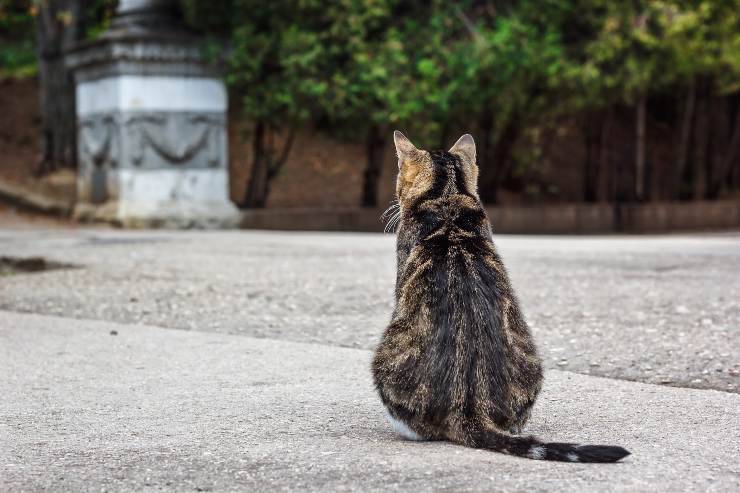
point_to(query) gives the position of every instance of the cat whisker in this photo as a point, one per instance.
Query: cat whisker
(393, 222)
(390, 227)
(392, 215)
(391, 209)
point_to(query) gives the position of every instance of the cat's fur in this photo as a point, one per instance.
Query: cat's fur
(457, 361)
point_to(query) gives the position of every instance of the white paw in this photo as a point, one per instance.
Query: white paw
(402, 428)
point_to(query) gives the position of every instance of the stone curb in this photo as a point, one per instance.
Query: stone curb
(659, 217)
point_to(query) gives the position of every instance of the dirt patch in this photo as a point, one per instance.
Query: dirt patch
(19, 128)
(20, 142)
(14, 218)
(320, 172)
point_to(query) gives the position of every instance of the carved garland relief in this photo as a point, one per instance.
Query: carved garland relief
(174, 138)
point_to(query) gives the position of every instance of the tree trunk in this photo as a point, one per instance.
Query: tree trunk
(640, 170)
(374, 149)
(275, 165)
(605, 190)
(716, 137)
(59, 24)
(485, 159)
(701, 143)
(685, 141)
(265, 166)
(623, 163)
(733, 173)
(731, 153)
(591, 138)
(503, 151)
(734, 176)
(257, 188)
(498, 164)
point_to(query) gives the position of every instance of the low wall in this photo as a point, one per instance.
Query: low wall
(678, 216)
(546, 219)
(553, 219)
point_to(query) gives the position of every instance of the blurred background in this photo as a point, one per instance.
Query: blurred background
(581, 101)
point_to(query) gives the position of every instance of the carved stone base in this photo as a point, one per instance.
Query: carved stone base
(151, 117)
(165, 198)
(172, 216)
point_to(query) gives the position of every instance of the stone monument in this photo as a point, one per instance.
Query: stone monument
(151, 117)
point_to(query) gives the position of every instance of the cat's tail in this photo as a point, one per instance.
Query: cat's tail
(532, 448)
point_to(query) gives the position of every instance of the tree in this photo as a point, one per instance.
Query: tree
(640, 50)
(509, 64)
(59, 24)
(34, 35)
(364, 53)
(276, 66)
(506, 70)
(377, 67)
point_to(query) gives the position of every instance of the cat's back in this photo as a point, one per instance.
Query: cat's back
(451, 242)
(452, 284)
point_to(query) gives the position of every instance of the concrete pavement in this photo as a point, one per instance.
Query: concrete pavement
(266, 384)
(656, 309)
(152, 409)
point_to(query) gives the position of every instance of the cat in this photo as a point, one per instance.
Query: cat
(457, 361)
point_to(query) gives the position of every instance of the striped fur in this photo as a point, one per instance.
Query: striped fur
(457, 361)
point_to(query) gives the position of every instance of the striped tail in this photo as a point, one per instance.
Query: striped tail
(532, 448)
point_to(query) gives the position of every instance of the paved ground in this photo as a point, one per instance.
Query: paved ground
(152, 408)
(661, 310)
(269, 388)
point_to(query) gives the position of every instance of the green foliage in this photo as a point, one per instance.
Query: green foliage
(434, 65)
(617, 51)
(17, 42)
(277, 63)
(18, 32)
(502, 69)
(99, 14)
(382, 72)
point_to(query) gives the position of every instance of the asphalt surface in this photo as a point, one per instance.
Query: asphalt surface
(660, 309)
(98, 406)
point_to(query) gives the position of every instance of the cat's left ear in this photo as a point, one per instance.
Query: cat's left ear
(404, 148)
(465, 146)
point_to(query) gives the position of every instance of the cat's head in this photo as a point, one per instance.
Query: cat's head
(430, 175)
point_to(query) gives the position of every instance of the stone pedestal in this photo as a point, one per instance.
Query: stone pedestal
(151, 124)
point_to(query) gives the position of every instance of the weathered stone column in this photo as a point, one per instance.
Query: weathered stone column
(151, 124)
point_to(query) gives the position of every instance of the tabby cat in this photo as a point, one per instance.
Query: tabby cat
(457, 361)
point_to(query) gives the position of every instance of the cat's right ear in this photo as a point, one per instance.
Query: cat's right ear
(465, 146)
(404, 148)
